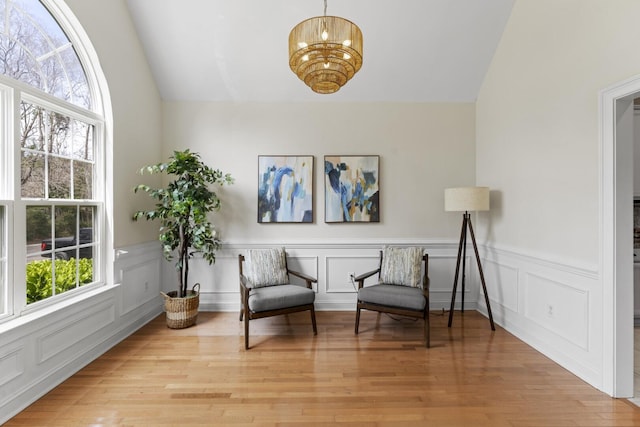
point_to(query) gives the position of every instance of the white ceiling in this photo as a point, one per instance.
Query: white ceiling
(236, 50)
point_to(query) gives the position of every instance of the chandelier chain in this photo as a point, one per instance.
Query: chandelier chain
(325, 8)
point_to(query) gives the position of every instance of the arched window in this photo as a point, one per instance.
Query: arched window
(52, 158)
(35, 50)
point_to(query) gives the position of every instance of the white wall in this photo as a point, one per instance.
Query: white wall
(136, 109)
(423, 149)
(538, 148)
(537, 135)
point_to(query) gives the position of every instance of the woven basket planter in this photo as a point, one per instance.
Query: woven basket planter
(182, 312)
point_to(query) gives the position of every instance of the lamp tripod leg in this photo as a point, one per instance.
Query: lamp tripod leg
(463, 233)
(464, 260)
(484, 286)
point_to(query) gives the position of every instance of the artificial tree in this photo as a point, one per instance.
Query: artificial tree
(182, 208)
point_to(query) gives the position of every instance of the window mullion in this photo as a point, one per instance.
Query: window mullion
(13, 150)
(7, 306)
(18, 285)
(19, 256)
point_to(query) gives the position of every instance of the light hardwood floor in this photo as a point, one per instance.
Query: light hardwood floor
(384, 376)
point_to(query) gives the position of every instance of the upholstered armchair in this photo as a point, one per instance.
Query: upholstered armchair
(265, 288)
(402, 287)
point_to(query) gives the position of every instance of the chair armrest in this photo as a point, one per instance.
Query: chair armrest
(244, 282)
(426, 281)
(245, 288)
(361, 278)
(304, 277)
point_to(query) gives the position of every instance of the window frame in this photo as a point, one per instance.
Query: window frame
(6, 275)
(12, 92)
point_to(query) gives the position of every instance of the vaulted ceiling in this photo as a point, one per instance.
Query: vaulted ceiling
(236, 50)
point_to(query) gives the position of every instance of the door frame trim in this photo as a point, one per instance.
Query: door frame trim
(617, 299)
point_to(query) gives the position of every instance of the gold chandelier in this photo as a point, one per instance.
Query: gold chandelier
(325, 52)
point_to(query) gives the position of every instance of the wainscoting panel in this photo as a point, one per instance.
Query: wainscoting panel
(559, 307)
(339, 268)
(11, 366)
(442, 270)
(140, 284)
(502, 284)
(219, 277)
(219, 284)
(550, 304)
(70, 330)
(45, 347)
(307, 264)
(331, 263)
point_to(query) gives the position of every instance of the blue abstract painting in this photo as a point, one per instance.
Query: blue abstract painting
(351, 188)
(285, 189)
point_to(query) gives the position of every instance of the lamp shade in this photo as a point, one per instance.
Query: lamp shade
(466, 199)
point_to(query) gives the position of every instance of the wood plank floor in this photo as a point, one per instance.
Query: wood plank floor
(384, 376)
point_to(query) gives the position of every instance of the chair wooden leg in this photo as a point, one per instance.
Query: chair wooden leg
(357, 319)
(313, 321)
(246, 331)
(427, 332)
(241, 313)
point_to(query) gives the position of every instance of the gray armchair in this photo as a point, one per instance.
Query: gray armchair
(402, 288)
(265, 289)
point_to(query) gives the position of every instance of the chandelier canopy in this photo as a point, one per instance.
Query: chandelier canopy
(325, 52)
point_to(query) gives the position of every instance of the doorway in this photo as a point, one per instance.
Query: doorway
(616, 235)
(636, 251)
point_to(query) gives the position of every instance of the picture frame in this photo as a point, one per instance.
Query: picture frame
(285, 189)
(352, 192)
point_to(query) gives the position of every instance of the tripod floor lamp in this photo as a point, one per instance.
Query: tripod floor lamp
(467, 199)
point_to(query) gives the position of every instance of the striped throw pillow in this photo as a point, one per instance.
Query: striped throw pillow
(401, 266)
(266, 267)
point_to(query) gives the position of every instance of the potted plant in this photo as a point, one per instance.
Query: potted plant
(182, 208)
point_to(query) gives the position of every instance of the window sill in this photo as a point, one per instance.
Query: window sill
(31, 314)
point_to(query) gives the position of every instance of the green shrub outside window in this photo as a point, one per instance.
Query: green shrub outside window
(39, 278)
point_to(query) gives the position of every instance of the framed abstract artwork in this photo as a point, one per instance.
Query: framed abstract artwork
(351, 188)
(285, 189)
